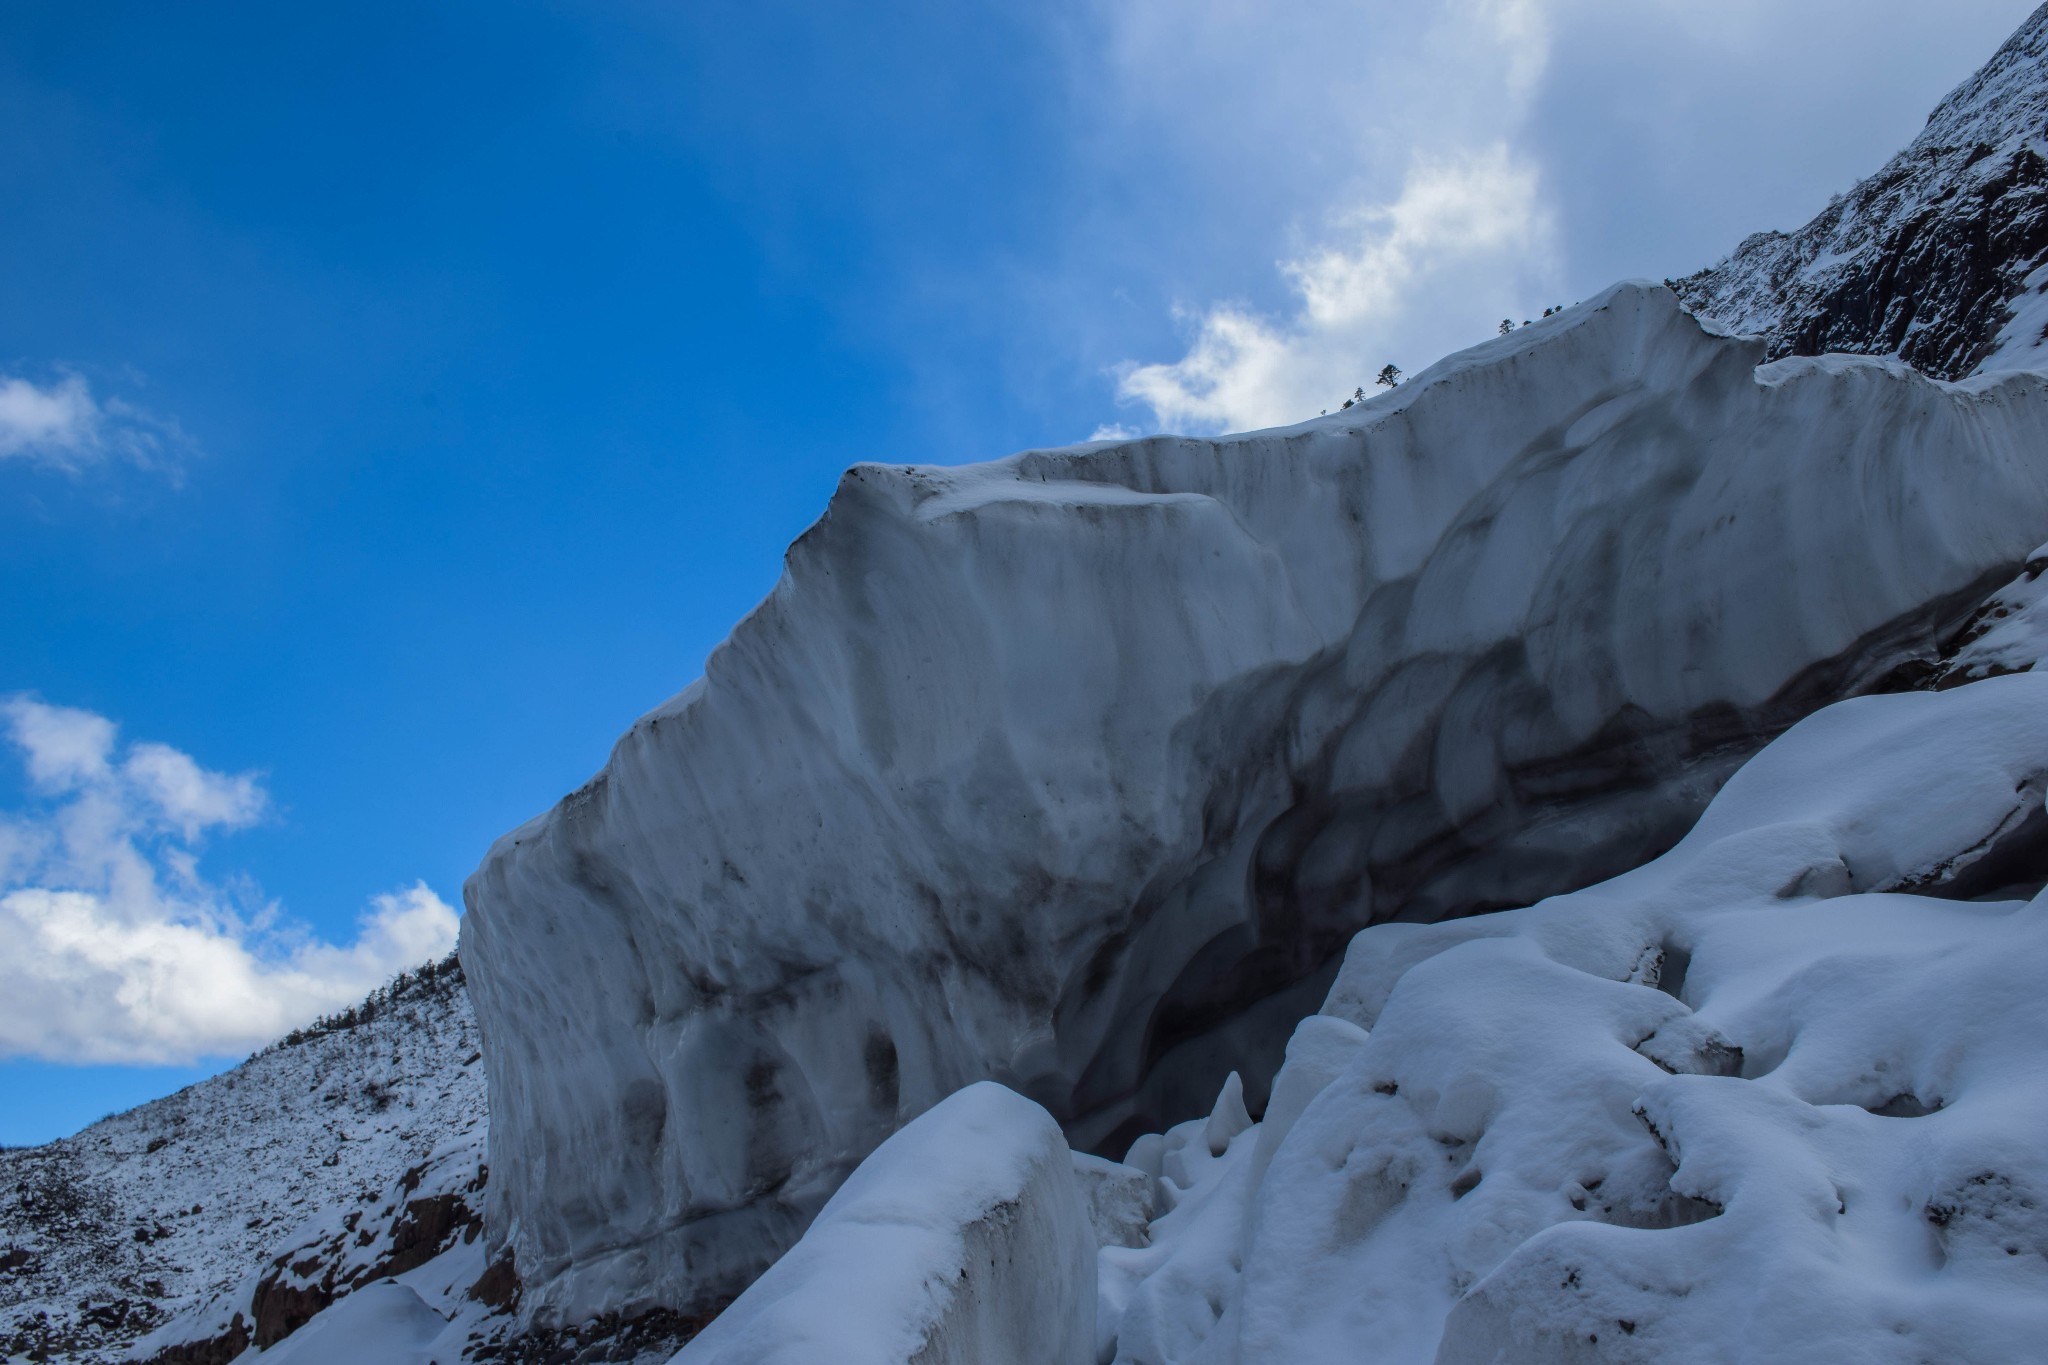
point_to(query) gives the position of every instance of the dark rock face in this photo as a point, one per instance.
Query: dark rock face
(215, 1350)
(283, 1307)
(1924, 259)
(306, 1281)
(429, 1227)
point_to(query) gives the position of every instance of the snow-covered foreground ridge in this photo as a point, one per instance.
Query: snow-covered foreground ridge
(1738, 1104)
(165, 1225)
(1078, 770)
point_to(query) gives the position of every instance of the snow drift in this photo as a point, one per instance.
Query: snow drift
(1740, 1104)
(1078, 770)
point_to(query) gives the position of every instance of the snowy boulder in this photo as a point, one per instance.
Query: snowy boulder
(962, 1240)
(383, 1322)
(1078, 770)
(1118, 1199)
(1738, 1104)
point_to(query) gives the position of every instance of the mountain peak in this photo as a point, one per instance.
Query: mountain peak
(1930, 259)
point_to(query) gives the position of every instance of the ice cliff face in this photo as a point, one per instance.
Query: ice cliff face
(1936, 258)
(1078, 770)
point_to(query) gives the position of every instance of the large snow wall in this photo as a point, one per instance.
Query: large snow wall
(1079, 769)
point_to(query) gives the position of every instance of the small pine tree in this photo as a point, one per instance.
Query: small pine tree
(1389, 377)
(1506, 326)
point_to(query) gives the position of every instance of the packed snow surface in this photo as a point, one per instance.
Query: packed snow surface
(1744, 1103)
(1078, 770)
(384, 1322)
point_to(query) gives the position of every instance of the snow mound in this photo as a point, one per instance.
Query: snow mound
(384, 1322)
(1941, 257)
(1078, 770)
(963, 1240)
(1743, 1103)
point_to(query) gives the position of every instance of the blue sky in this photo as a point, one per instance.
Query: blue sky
(397, 400)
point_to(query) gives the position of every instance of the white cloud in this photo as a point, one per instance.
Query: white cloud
(63, 747)
(119, 949)
(60, 423)
(1477, 216)
(63, 426)
(1418, 220)
(187, 795)
(1115, 431)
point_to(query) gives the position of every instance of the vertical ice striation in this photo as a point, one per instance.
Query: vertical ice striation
(1078, 770)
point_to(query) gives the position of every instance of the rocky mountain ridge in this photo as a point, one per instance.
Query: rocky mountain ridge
(153, 1216)
(1932, 258)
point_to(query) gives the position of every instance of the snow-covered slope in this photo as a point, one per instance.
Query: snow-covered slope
(1078, 770)
(166, 1213)
(1750, 1102)
(1936, 258)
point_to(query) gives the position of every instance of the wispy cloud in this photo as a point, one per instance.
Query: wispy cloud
(119, 948)
(1476, 216)
(62, 425)
(1423, 218)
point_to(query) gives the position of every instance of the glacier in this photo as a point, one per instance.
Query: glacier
(1077, 771)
